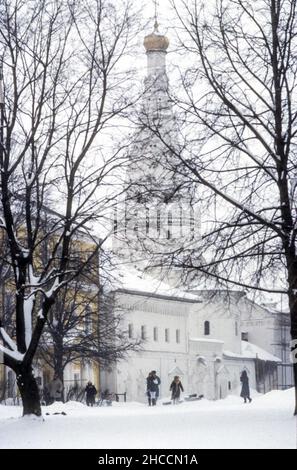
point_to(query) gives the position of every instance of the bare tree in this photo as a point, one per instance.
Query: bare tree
(61, 90)
(84, 325)
(238, 122)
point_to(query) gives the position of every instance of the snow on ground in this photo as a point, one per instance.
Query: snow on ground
(265, 423)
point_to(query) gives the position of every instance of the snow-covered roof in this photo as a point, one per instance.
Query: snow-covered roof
(129, 278)
(251, 351)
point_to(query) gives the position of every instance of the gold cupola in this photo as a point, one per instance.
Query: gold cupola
(156, 42)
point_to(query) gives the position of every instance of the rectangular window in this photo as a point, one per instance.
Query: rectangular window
(143, 332)
(177, 335)
(130, 330)
(167, 338)
(244, 336)
(206, 328)
(155, 333)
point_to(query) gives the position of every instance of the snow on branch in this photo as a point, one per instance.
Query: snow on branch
(2, 223)
(7, 339)
(15, 355)
(28, 309)
(34, 280)
(55, 287)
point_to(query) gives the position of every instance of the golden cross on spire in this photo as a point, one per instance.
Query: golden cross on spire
(156, 25)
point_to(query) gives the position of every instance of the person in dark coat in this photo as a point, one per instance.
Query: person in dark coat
(153, 382)
(245, 390)
(175, 388)
(91, 392)
(148, 379)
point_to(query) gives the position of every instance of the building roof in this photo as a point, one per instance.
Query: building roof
(129, 279)
(251, 351)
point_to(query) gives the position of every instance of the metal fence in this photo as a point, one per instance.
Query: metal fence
(73, 391)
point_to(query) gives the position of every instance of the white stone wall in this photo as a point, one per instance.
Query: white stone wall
(224, 321)
(260, 325)
(167, 358)
(162, 314)
(234, 368)
(197, 359)
(131, 375)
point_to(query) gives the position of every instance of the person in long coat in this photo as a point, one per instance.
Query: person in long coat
(91, 392)
(148, 380)
(245, 389)
(153, 382)
(176, 388)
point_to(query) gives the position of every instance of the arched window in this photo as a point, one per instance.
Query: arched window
(206, 328)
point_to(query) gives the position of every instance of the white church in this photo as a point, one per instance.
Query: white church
(205, 335)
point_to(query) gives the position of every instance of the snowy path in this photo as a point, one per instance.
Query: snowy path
(265, 423)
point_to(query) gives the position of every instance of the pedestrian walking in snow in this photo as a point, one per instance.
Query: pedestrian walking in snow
(55, 389)
(176, 388)
(148, 379)
(153, 382)
(91, 392)
(245, 389)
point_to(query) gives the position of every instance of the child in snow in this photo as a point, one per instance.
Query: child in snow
(175, 388)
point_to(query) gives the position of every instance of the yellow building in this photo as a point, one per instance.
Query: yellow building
(74, 317)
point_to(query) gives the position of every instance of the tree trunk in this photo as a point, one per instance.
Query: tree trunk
(292, 278)
(294, 340)
(29, 392)
(295, 382)
(58, 366)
